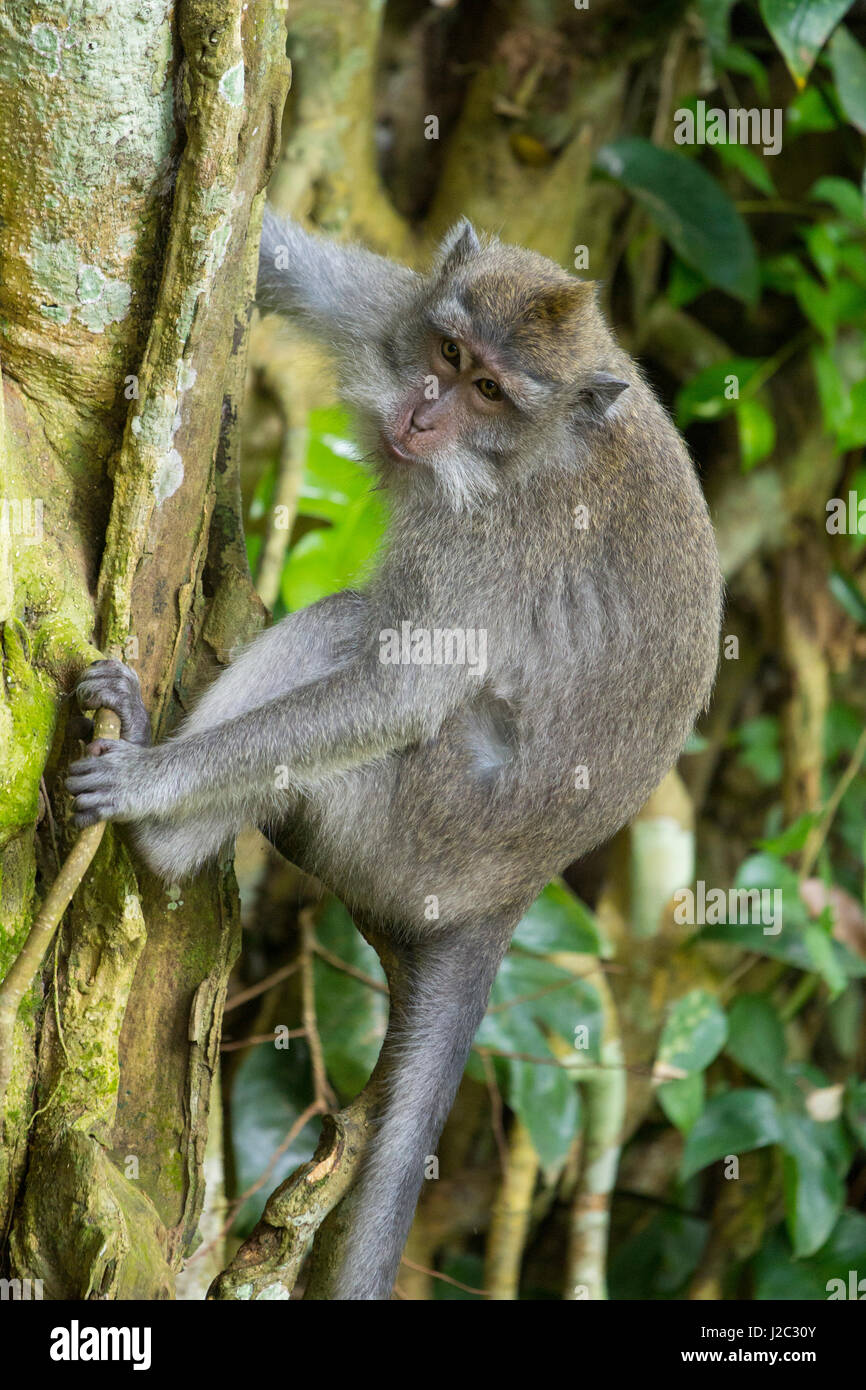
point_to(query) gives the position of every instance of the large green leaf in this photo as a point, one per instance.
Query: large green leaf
(683, 1100)
(732, 1123)
(327, 560)
(801, 28)
(848, 61)
(814, 1189)
(690, 208)
(757, 431)
(768, 875)
(715, 390)
(351, 1016)
(694, 1033)
(779, 1276)
(530, 996)
(270, 1090)
(756, 1040)
(558, 921)
(333, 478)
(659, 1258)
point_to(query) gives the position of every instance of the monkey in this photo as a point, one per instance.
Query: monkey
(519, 671)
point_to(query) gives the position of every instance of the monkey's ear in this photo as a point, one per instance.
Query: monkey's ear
(596, 396)
(458, 245)
(561, 304)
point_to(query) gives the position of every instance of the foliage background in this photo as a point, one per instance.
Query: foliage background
(556, 128)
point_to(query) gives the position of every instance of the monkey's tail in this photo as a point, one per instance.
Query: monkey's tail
(428, 1041)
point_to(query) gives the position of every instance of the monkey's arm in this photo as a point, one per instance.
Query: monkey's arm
(357, 713)
(337, 291)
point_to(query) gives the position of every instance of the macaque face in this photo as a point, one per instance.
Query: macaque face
(461, 397)
(464, 413)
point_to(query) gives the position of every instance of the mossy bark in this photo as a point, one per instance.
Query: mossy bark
(144, 135)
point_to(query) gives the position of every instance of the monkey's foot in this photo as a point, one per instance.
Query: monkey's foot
(112, 685)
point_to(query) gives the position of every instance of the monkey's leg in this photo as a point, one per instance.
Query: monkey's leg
(424, 1054)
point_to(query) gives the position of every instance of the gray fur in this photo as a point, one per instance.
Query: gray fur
(409, 783)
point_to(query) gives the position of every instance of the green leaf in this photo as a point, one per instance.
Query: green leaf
(709, 394)
(766, 874)
(690, 208)
(848, 61)
(757, 431)
(814, 1190)
(548, 1103)
(732, 1123)
(848, 596)
(855, 1108)
(801, 28)
(842, 194)
(756, 1040)
(793, 838)
(657, 1260)
(814, 110)
(716, 17)
(749, 164)
(694, 1033)
(736, 58)
(821, 947)
(832, 392)
(327, 560)
(852, 431)
(759, 748)
(818, 305)
(351, 1015)
(684, 284)
(531, 994)
(271, 1088)
(779, 1276)
(558, 921)
(683, 1100)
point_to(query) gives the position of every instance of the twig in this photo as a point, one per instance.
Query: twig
(446, 1278)
(818, 834)
(303, 1119)
(255, 1038)
(330, 959)
(495, 1109)
(32, 953)
(321, 1087)
(244, 995)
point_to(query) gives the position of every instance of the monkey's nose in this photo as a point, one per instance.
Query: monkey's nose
(418, 423)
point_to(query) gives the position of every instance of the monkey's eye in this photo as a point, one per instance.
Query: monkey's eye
(489, 390)
(451, 352)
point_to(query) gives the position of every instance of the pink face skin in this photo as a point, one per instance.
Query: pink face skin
(470, 388)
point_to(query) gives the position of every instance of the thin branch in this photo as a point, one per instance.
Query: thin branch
(33, 952)
(446, 1278)
(321, 1086)
(256, 1038)
(330, 959)
(300, 1123)
(277, 976)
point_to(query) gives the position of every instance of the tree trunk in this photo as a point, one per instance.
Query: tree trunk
(143, 137)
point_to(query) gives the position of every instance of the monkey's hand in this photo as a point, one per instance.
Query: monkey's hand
(107, 783)
(111, 782)
(111, 685)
